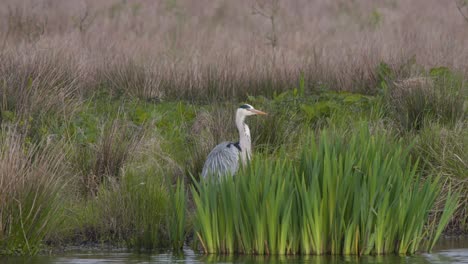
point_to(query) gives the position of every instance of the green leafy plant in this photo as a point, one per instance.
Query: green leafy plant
(355, 194)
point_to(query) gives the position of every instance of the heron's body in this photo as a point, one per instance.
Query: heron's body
(224, 158)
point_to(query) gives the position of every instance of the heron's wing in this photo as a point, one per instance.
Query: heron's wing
(223, 159)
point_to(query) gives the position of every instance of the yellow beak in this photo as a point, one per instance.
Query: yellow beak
(258, 112)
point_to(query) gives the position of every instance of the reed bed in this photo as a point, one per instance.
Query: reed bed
(356, 194)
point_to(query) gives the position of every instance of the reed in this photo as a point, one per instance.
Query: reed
(347, 193)
(177, 215)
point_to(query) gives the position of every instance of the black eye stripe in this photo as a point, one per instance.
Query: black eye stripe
(245, 106)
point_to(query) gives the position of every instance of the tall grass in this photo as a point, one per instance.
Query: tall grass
(177, 216)
(132, 213)
(31, 182)
(133, 207)
(440, 97)
(147, 201)
(102, 161)
(358, 193)
(444, 151)
(33, 83)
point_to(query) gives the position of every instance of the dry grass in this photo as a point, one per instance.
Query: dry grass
(192, 50)
(32, 82)
(416, 100)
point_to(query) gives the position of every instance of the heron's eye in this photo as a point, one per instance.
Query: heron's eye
(246, 106)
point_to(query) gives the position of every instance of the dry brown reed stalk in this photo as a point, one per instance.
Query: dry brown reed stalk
(191, 50)
(35, 81)
(125, 76)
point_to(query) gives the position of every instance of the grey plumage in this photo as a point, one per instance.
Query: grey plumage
(222, 160)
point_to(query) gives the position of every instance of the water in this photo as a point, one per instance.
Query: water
(447, 251)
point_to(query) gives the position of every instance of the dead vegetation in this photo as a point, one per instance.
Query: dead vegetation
(211, 50)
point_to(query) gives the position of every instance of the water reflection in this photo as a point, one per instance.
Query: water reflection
(448, 251)
(316, 259)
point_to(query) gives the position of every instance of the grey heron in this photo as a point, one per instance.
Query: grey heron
(224, 158)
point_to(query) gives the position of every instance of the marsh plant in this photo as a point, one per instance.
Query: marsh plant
(438, 97)
(132, 213)
(177, 215)
(360, 194)
(31, 181)
(443, 152)
(102, 161)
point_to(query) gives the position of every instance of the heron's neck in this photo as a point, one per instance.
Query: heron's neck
(244, 138)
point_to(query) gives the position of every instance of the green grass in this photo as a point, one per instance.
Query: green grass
(444, 151)
(353, 193)
(177, 216)
(132, 213)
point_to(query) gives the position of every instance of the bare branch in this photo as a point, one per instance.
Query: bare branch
(257, 9)
(83, 19)
(459, 7)
(5, 38)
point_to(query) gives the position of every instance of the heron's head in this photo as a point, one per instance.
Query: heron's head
(248, 110)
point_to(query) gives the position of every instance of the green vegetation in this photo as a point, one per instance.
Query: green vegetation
(31, 187)
(177, 217)
(114, 168)
(349, 193)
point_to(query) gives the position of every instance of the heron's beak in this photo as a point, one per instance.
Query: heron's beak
(258, 112)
